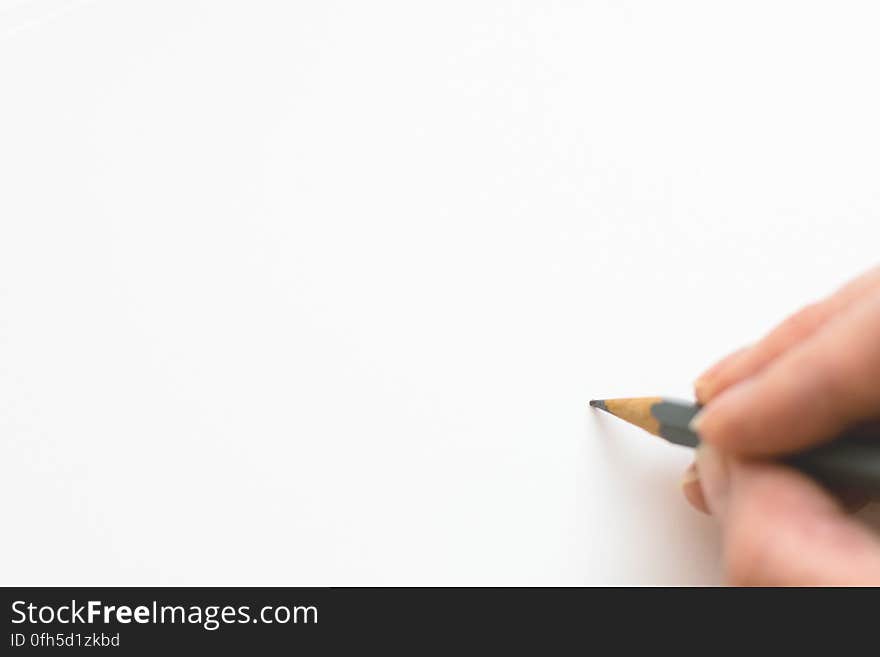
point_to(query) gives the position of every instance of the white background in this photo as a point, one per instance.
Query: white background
(316, 292)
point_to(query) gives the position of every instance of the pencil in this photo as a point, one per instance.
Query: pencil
(851, 460)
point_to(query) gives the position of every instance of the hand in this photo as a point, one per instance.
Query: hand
(812, 377)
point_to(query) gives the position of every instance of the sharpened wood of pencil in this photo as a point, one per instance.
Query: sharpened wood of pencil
(851, 460)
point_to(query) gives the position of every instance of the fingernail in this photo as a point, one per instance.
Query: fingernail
(692, 490)
(694, 424)
(690, 475)
(714, 474)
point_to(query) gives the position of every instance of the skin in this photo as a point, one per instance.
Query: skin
(812, 377)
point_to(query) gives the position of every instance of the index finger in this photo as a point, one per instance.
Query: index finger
(811, 393)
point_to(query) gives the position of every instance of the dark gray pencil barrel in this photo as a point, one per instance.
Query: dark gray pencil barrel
(844, 464)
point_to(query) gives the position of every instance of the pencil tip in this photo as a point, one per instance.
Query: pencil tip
(598, 403)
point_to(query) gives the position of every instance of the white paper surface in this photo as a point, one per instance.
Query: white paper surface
(316, 292)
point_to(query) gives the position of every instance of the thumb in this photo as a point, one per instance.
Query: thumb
(782, 529)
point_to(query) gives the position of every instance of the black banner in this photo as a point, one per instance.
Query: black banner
(124, 621)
